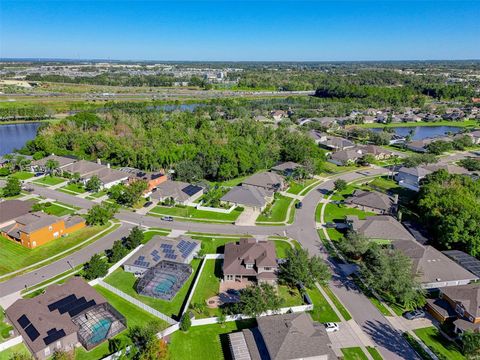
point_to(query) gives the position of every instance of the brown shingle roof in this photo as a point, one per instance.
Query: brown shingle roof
(372, 199)
(267, 180)
(10, 209)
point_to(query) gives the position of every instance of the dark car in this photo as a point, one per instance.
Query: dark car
(330, 225)
(298, 205)
(233, 292)
(167, 218)
(147, 204)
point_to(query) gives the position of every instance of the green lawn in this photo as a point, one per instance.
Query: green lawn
(277, 212)
(322, 311)
(354, 353)
(281, 248)
(191, 212)
(125, 282)
(134, 315)
(338, 212)
(296, 187)
(290, 296)
(438, 344)
(22, 175)
(14, 256)
(97, 195)
(207, 342)
(374, 353)
(17, 349)
(208, 285)
(50, 180)
(76, 188)
(213, 245)
(346, 315)
(58, 210)
(330, 169)
(4, 327)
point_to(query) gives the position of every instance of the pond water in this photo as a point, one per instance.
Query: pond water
(14, 136)
(181, 107)
(423, 132)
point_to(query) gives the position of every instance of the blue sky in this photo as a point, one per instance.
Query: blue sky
(248, 30)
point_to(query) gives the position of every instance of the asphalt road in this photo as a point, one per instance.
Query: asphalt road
(388, 340)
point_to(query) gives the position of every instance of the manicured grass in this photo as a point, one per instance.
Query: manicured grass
(125, 282)
(98, 194)
(58, 210)
(49, 180)
(214, 245)
(438, 344)
(322, 311)
(296, 187)
(334, 234)
(290, 296)
(150, 233)
(4, 327)
(281, 248)
(374, 353)
(14, 256)
(346, 315)
(76, 188)
(191, 212)
(17, 349)
(278, 210)
(208, 342)
(208, 285)
(354, 353)
(334, 212)
(22, 175)
(330, 169)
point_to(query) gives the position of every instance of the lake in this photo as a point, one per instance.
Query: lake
(14, 136)
(423, 132)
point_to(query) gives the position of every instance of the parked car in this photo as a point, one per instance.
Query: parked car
(298, 205)
(330, 225)
(147, 204)
(415, 314)
(331, 327)
(38, 174)
(167, 218)
(233, 292)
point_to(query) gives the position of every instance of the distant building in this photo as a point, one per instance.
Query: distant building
(372, 201)
(153, 179)
(286, 168)
(40, 165)
(178, 191)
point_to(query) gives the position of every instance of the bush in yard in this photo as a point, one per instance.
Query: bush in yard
(95, 268)
(299, 267)
(145, 342)
(93, 184)
(20, 356)
(470, 164)
(135, 238)
(63, 355)
(101, 214)
(117, 252)
(257, 299)
(354, 245)
(4, 171)
(13, 187)
(471, 345)
(185, 322)
(51, 166)
(340, 185)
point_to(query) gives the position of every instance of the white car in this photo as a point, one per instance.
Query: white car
(331, 327)
(415, 314)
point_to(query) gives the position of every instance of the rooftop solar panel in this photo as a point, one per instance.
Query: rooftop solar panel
(141, 258)
(62, 302)
(77, 310)
(191, 190)
(23, 321)
(32, 332)
(53, 335)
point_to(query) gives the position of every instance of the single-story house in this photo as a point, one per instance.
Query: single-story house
(460, 304)
(181, 192)
(433, 268)
(11, 209)
(88, 169)
(337, 143)
(317, 136)
(64, 317)
(286, 168)
(251, 260)
(153, 179)
(181, 250)
(268, 181)
(278, 115)
(378, 152)
(345, 157)
(37, 228)
(282, 337)
(418, 145)
(475, 135)
(248, 196)
(381, 227)
(40, 165)
(372, 201)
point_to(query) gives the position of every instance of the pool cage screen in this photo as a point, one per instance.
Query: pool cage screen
(99, 323)
(164, 280)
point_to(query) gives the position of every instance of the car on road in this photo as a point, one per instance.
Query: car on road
(167, 218)
(298, 205)
(414, 314)
(331, 327)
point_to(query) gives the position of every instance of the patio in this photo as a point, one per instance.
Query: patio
(224, 296)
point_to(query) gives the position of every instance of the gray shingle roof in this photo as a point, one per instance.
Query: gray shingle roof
(380, 227)
(173, 189)
(10, 209)
(267, 180)
(467, 295)
(62, 160)
(372, 199)
(247, 195)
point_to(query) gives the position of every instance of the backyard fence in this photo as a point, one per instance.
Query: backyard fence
(121, 261)
(136, 302)
(192, 291)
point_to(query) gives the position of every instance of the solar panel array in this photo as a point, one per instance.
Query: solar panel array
(186, 247)
(141, 262)
(71, 304)
(467, 261)
(53, 335)
(28, 327)
(191, 189)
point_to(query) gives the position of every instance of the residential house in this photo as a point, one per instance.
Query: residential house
(345, 157)
(251, 260)
(317, 136)
(181, 250)
(278, 115)
(268, 181)
(337, 143)
(377, 152)
(286, 168)
(293, 336)
(153, 179)
(410, 177)
(88, 169)
(475, 135)
(64, 317)
(381, 227)
(248, 196)
(40, 165)
(458, 304)
(180, 192)
(11, 209)
(37, 228)
(418, 145)
(373, 201)
(433, 268)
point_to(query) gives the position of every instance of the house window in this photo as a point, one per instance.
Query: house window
(459, 309)
(249, 266)
(267, 268)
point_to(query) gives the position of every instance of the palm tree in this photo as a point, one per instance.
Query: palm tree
(51, 165)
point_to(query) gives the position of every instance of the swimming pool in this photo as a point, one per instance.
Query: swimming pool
(166, 284)
(100, 330)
